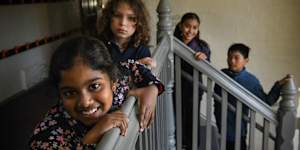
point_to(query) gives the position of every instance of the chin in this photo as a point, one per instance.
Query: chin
(88, 122)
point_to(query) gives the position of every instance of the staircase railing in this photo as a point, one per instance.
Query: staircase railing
(158, 135)
(257, 106)
(162, 135)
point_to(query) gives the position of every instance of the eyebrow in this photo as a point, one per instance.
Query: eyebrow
(88, 81)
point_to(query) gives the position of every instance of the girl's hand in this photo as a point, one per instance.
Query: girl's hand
(147, 97)
(148, 61)
(105, 123)
(200, 56)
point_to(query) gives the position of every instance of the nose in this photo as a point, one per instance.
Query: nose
(189, 30)
(123, 20)
(85, 100)
(231, 60)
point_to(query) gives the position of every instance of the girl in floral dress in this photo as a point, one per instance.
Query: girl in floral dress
(90, 92)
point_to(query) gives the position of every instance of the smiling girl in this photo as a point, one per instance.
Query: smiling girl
(90, 92)
(187, 31)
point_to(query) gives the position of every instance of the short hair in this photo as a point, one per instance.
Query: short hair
(239, 47)
(92, 51)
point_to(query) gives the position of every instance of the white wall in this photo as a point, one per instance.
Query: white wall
(269, 27)
(26, 23)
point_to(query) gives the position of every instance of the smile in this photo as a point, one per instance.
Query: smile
(91, 111)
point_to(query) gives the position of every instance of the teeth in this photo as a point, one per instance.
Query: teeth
(89, 112)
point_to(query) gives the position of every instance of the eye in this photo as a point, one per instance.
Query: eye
(117, 16)
(94, 87)
(66, 94)
(132, 18)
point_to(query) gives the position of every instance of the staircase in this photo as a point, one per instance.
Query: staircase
(276, 129)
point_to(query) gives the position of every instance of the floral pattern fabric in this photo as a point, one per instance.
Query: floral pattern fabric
(59, 130)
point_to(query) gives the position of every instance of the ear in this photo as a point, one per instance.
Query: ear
(246, 60)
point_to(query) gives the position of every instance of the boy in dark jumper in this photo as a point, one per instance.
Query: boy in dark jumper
(237, 58)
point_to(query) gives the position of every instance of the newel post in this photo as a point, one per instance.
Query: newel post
(164, 27)
(287, 116)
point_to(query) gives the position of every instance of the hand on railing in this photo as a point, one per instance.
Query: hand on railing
(148, 61)
(115, 119)
(284, 80)
(147, 97)
(200, 56)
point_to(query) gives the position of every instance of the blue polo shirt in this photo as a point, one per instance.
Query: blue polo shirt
(131, 52)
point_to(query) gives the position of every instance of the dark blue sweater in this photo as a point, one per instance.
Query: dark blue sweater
(251, 83)
(131, 52)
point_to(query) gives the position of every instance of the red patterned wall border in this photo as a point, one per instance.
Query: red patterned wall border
(27, 46)
(8, 2)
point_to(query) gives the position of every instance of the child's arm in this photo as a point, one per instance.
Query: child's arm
(149, 87)
(284, 80)
(147, 97)
(111, 120)
(274, 93)
(148, 61)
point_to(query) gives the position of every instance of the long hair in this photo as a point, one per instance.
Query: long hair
(178, 32)
(142, 32)
(185, 17)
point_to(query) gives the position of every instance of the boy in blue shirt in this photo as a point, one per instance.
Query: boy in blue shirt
(237, 58)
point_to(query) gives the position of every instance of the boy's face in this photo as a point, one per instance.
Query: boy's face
(236, 61)
(86, 94)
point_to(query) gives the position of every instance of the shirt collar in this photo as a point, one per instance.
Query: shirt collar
(234, 74)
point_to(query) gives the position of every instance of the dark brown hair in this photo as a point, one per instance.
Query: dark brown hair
(93, 53)
(185, 17)
(142, 33)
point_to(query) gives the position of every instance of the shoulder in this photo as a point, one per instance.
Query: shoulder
(251, 77)
(203, 46)
(203, 43)
(142, 51)
(226, 70)
(143, 47)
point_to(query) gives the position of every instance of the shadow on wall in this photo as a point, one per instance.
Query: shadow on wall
(20, 113)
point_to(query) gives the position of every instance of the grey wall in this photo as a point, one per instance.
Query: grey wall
(26, 23)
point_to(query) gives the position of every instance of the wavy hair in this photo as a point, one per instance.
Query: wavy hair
(142, 32)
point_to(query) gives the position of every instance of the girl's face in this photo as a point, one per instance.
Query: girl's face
(236, 61)
(190, 29)
(123, 23)
(86, 94)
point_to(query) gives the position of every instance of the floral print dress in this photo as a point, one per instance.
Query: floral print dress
(58, 130)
